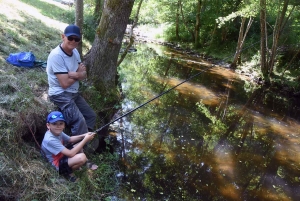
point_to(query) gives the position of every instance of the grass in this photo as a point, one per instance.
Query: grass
(36, 26)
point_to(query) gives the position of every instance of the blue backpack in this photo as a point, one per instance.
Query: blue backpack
(24, 59)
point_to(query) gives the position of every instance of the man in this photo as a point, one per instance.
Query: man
(65, 70)
(54, 146)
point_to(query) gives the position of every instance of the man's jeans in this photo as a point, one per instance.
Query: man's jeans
(77, 113)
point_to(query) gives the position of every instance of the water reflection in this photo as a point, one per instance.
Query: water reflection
(209, 139)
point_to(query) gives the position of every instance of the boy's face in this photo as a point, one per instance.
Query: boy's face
(56, 128)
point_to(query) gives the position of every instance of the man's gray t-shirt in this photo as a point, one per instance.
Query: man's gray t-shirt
(52, 146)
(60, 62)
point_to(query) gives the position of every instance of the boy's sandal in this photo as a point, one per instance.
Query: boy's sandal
(91, 165)
(71, 178)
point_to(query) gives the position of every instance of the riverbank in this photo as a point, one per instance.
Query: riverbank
(248, 71)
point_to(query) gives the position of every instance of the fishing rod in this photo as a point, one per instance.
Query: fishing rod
(99, 129)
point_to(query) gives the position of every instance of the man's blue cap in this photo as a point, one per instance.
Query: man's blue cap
(72, 30)
(55, 116)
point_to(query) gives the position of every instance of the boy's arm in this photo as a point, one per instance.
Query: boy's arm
(71, 153)
(77, 138)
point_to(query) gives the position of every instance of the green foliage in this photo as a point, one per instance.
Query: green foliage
(137, 72)
(217, 126)
(219, 26)
(102, 182)
(247, 10)
(93, 96)
(90, 22)
(184, 35)
(149, 14)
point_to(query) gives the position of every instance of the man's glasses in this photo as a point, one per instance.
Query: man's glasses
(71, 38)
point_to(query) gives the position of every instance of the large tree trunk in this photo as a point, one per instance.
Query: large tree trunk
(79, 21)
(101, 60)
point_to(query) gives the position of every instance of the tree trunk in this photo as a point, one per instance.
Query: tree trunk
(185, 22)
(98, 10)
(101, 60)
(79, 21)
(197, 26)
(131, 38)
(241, 40)
(263, 39)
(276, 35)
(177, 21)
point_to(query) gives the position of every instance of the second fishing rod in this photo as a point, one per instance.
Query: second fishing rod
(156, 97)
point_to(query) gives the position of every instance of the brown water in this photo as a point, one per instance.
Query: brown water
(214, 137)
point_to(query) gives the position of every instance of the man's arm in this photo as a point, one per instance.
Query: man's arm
(77, 75)
(67, 79)
(80, 74)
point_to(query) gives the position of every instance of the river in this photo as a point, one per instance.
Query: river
(215, 137)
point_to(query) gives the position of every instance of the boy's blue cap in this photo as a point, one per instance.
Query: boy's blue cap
(55, 116)
(72, 30)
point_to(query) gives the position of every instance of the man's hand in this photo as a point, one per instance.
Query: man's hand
(81, 67)
(81, 71)
(80, 74)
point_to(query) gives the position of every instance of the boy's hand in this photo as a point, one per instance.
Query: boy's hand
(89, 136)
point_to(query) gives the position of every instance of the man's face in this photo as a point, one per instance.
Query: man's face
(71, 41)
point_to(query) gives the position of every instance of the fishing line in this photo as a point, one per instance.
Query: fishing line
(99, 129)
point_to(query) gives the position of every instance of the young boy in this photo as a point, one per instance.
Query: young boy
(54, 146)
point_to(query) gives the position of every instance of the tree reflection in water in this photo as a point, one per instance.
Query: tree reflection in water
(213, 138)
